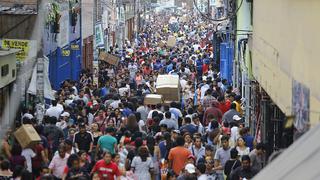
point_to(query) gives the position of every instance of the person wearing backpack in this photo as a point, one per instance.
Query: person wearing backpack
(232, 163)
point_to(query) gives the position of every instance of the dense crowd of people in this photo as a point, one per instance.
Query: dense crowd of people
(105, 131)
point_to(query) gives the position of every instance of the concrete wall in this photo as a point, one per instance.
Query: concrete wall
(17, 26)
(10, 60)
(285, 47)
(87, 18)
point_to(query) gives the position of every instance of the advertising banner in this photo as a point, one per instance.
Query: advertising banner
(98, 35)
(27, 47)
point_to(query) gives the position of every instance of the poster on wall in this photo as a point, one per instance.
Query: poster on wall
(300, 106)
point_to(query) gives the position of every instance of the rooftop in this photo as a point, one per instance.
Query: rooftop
(5, 52)
(7, 8)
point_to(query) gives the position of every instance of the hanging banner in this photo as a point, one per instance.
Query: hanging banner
(98, 35)
(63, 36)
(27, 47)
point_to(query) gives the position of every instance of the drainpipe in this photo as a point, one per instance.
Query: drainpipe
(244, 86)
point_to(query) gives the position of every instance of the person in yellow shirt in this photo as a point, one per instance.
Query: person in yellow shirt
(237, 101)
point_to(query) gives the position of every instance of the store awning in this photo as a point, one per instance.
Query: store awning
(300, 161)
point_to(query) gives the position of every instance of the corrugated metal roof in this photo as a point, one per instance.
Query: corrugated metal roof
(18, 10)
(5, 52)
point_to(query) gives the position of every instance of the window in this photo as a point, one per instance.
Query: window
(13, 73)
(4, 70)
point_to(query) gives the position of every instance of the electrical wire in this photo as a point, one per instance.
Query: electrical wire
(217, 20)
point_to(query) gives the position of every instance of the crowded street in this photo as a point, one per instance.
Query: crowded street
(165, 95)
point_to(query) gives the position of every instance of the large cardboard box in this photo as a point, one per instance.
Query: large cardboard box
(153, 99)
(27, 136)
(171, 41)
(109, 58)
(169, 87)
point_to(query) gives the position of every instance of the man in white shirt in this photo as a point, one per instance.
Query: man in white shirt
(204, 88)
(28, 154)
(133, 68)
(235, 130)
(54, 110)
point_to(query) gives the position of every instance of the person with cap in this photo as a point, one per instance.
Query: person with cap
(174, 134)
(234, 130)
(191, 159)
(62, 122)
(203, 89)
(228, 116)
(83, 140)
(189, 171)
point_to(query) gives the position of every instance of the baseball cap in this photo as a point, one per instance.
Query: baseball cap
(236, 118)
(82, 125)
(95, 102)
(191, 156)
(190, 168)
(176, 131)
(65, 114)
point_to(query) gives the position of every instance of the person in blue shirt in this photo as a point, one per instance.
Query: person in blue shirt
(157, 65)
(248, 138)
(188, 126)
(169, 67)
(126, 110)
(199, 64)
(105, 90)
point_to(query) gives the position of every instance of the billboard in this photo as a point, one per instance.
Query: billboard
(19, 7)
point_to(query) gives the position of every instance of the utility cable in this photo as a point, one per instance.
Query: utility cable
(217, 20)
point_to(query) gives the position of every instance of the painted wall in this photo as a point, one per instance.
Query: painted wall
(62, 43)
(7, 58)
(87, 18)
(285, 47)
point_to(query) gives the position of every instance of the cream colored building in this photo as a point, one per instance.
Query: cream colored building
(286, 43)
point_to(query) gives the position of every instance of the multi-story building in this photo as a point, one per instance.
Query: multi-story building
(276, 65)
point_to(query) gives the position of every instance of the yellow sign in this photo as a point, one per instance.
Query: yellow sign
(74, 46)
(65, 52)
(23, 45)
